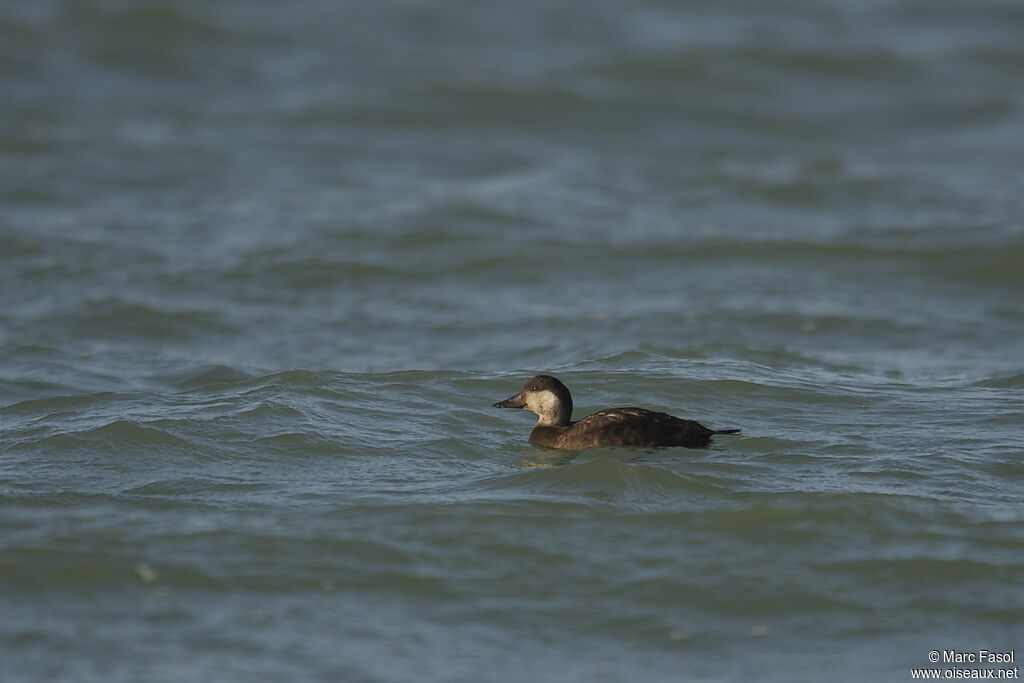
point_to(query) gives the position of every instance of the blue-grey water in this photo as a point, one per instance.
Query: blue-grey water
(265, 266)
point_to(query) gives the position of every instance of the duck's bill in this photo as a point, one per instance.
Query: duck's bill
(511, 402)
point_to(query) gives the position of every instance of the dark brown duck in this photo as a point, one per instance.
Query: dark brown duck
(549, 398)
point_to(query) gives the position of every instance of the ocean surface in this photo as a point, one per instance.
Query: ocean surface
(265, 266)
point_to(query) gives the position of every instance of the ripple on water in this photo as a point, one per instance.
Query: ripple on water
(611, 480)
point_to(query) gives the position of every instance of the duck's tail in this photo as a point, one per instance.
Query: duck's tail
(725, 431)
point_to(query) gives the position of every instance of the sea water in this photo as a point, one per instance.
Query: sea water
(264, 268)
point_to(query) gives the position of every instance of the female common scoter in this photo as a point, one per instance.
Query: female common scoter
(549, 398)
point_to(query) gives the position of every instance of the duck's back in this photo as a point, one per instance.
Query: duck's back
(625, 427)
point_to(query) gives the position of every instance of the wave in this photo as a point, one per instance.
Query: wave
(1007, 381)
(120, 318)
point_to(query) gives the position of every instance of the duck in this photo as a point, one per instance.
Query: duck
(551, 401)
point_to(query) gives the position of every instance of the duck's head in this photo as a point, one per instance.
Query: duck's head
(545, 396)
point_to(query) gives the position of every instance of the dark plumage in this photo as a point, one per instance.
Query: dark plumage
(551, 400)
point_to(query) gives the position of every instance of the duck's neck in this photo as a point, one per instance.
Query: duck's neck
(562, 418)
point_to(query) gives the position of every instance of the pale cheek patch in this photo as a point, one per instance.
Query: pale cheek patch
(547, 403)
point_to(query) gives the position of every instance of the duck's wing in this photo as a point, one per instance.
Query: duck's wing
(635, 427)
